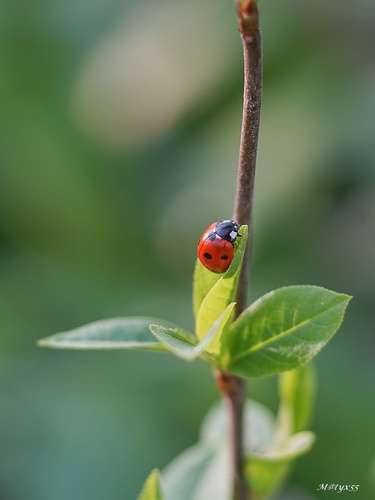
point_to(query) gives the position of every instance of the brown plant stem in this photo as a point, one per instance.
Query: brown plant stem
(248, 19)
(233, 388)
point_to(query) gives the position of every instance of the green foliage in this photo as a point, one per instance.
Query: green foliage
(280, 332)
(152, 487)
(202, 471)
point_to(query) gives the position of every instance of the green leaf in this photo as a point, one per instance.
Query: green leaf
(258, 424)
(203, 281)
(265, 471)
(265, 477)
(214, 337)
(185, 346)
(175, 341)
(152, 487)
(182, 477)
(284, 329)
(116, 333)
(216, 480)
(222, 293)
(297, 391)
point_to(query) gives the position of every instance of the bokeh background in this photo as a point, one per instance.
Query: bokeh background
(119, 138)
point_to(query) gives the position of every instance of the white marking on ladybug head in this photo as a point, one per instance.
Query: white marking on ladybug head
(233, 234)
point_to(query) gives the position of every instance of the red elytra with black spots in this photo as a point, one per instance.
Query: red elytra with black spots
(216, 245)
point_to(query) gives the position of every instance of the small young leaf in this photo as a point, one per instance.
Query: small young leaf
(266, 471)
(223, 292)
(152, 487)
(265, 477)
(213, 338)
(297, 391)
(185, 346)
(203, 281)
(175, 340)
(284, 329)
(116, 333)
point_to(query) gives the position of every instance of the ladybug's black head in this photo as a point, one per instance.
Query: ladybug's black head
(228, 230)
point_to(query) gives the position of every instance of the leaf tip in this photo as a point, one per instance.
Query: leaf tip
(155, 330)
(152, 489)
(155, 472)
(243, 231)
(347, 297)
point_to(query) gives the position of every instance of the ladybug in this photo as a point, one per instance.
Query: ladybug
(216, 246)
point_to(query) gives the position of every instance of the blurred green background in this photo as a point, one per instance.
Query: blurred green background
(120, 124)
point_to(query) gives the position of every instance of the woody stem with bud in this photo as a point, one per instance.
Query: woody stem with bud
(232, 387)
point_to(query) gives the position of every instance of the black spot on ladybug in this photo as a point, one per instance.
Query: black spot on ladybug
(224, 257)
(207, 255)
